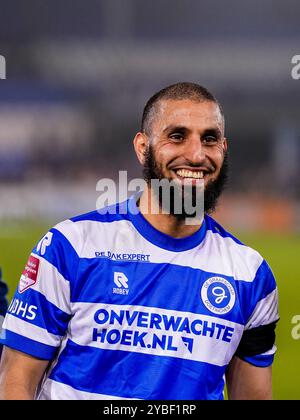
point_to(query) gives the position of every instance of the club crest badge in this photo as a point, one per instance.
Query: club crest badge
(218, 295)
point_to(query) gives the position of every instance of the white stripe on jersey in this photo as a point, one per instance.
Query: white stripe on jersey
(53, 390)
(218, 254)
(71, 231)
(33, 332)
(265, 312)
(52, 285)
(83, 323)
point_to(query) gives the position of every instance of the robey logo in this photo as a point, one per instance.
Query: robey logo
(121, 281)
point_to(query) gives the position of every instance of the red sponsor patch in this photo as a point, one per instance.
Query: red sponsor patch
(29, 275)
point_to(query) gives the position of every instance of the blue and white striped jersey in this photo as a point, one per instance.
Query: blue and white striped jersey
(124, 311)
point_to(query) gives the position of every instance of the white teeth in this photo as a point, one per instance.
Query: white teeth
(184, 173)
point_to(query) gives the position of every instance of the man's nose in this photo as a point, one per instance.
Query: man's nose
(194, 151)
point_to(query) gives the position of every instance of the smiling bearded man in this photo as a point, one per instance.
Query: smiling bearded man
(136, 304)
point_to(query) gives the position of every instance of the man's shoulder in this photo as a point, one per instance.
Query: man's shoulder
(241, 253)
(248, 267)
(76, 229)
(218, 229)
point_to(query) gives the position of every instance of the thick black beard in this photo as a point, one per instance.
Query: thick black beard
(212, 191)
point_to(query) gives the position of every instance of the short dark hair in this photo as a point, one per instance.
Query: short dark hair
(177, 91)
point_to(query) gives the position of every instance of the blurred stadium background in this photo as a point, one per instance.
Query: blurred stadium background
(78, 75)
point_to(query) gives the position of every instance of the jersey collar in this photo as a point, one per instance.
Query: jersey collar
(158, 238)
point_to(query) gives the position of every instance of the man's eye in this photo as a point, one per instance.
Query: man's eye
(210, 139)
(176, 136)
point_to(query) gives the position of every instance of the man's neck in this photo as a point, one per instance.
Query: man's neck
(165, 223)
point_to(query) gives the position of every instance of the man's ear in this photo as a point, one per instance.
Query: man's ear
(140, 143)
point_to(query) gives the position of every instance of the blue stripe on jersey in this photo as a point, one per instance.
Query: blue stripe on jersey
(261, 360)
(48, 316)
(26, 345)
(165, 377)
(61, 255)
(165, 286)
(251, 293)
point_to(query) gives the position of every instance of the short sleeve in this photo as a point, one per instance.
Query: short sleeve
(38, 316)
(257, 345)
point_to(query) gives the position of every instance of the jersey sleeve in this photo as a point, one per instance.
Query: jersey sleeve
(257, 345)
(38, 316)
